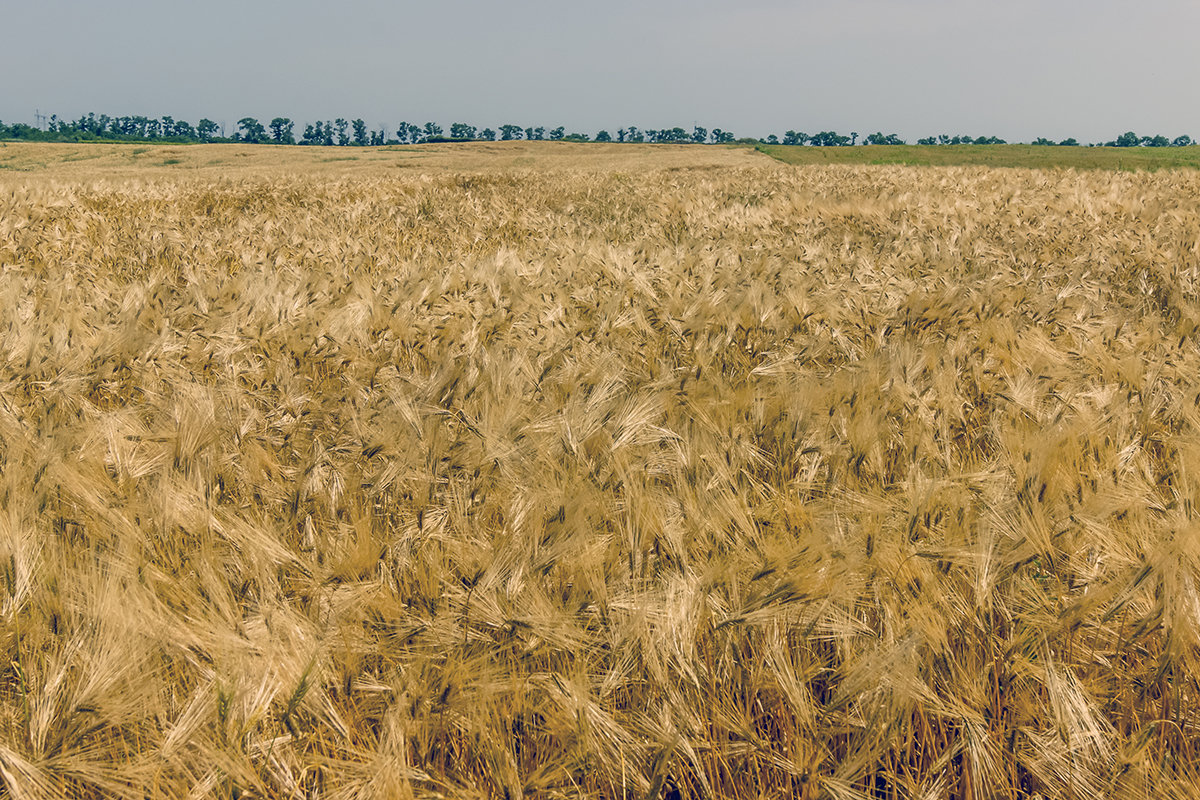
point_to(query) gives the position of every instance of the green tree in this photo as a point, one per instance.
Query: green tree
(603, 136)
(431, 130)
(558, 133)
(360, 133)
(509, 133)
(699, 135)
(281, 131)
(407, 132)
(205, 129)
(833, 139)
(461, 130)
(1128, 139)
(252, 130)
(488, 135)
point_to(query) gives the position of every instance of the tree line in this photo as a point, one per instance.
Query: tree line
(346, 133)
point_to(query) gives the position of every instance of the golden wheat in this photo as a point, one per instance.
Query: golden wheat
(563, 479)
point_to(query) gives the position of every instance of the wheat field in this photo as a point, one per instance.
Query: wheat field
(511, 475)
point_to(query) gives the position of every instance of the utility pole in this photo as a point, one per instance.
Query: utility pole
(39, 119)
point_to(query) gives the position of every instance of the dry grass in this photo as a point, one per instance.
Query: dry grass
(837, 482)
(223, 161)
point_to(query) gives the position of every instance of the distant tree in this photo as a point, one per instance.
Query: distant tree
(928, 140)
(621, 134)
(19, 130)
(1068, 143)
(1127, 139)
(772, 139)
(360, 133)
(603, 136)
(721, 137)
(1182, 141)
(431, 129)
(634, 135)
(794, 138)
(1041, 141)
(576, 137)
(343, 134)
(1155, 141)
(875, 138)
(327, 135)
(558, 133)
(853, 138)
(405, 132)
(461, 130)
(699, 135)
(832, 139)
(488, 135)
(509, 133)
(205, 129)
(251, 130)
(281, 131)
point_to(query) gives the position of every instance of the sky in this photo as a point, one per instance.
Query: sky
(1017, 69)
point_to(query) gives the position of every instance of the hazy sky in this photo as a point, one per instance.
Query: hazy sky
(1017, 69)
